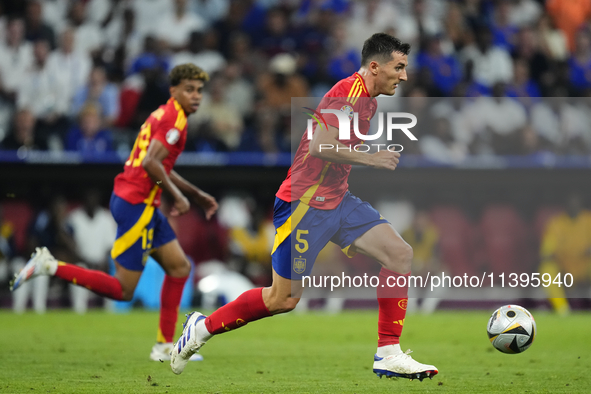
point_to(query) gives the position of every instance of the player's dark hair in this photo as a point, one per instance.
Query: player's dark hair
(380, 46)
(187, 71)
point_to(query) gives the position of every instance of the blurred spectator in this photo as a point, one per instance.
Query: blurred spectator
(123, 42)
(241, 52)
(88, 137)
(71, 67)
(148, 11)
(491, 64)
(266, 134)
(343, 60)
(36, 29)
(423, 237)
(566, 247)
(202, 52)
(6, 113)
(458, 110)
(88, 35)
(569, 16)
(528, 49)
(154, 94)
(153, 56)
(225, 122)
(278, 86)
(230, 26)
(504, 30)
(210, 11)
(98, 91)
(445, 70)
(239, 92)
(276, 36)
(94, 233)
(522, 87)
(43, 92)
(3, 22)
(51, 229)
(455, 26)
(55, 12)
(560, 126)
(7, 248)
(441, 146)
(502, 123)
(314, 42)
(369, 16)
(176, 27)
(251, 235)
(23, 133)
(253, 12)
(553, 41)
(418, 26)
(101, 11)
(580, 61)
(129, 98)
(524, 12)
(16, 56)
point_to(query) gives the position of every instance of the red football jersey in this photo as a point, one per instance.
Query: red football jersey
(319, 183)
(168, 124)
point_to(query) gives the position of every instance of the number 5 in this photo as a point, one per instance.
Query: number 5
(302, 241)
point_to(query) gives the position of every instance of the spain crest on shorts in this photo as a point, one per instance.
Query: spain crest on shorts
(299, 265)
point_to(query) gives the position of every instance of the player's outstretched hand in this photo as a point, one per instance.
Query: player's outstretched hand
(180, 207)
(385, 159)
(208, 203)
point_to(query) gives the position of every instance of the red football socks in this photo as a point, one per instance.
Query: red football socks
(392, 302)
(95, 281)
(170, 299)
(249, 306)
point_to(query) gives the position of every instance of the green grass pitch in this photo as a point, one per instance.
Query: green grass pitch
(61, 352)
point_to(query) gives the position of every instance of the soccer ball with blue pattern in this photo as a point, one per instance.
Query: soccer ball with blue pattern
(511, 329)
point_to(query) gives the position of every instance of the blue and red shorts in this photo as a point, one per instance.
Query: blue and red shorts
(140, 229)
(301, 232)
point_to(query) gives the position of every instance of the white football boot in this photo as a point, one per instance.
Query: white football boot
(161, 352)
(402, 365)
(187, 345)
(40, 263)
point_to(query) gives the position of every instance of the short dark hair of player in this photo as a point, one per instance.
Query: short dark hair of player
(187, 71)
(380, 46)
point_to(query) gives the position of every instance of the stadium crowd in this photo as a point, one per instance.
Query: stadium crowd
(81, 75)
(486, 77)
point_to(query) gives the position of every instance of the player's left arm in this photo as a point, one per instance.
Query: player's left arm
(199, 197)
(152, 163)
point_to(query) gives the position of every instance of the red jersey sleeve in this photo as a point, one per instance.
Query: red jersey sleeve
(168, 132)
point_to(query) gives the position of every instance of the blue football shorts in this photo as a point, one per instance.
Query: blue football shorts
(301, 232)
(140, 229)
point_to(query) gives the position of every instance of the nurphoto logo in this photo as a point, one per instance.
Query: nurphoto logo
(346, 114)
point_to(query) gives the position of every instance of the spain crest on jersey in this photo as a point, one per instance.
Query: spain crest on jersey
(299, 265)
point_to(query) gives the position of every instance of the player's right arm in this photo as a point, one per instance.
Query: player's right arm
(324, 146)
(152, 163)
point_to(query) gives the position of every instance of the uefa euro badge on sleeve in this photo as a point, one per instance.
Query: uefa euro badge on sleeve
(172, 136)
(299, 265)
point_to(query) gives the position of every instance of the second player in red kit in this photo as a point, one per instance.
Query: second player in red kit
(142, 230)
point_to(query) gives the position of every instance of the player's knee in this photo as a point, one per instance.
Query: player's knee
(400, 257)
(180, 270)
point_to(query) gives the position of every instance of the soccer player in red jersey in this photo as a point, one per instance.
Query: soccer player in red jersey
(142, 230)
(314, 206)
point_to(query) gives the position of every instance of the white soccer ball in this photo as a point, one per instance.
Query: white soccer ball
(511, 329)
